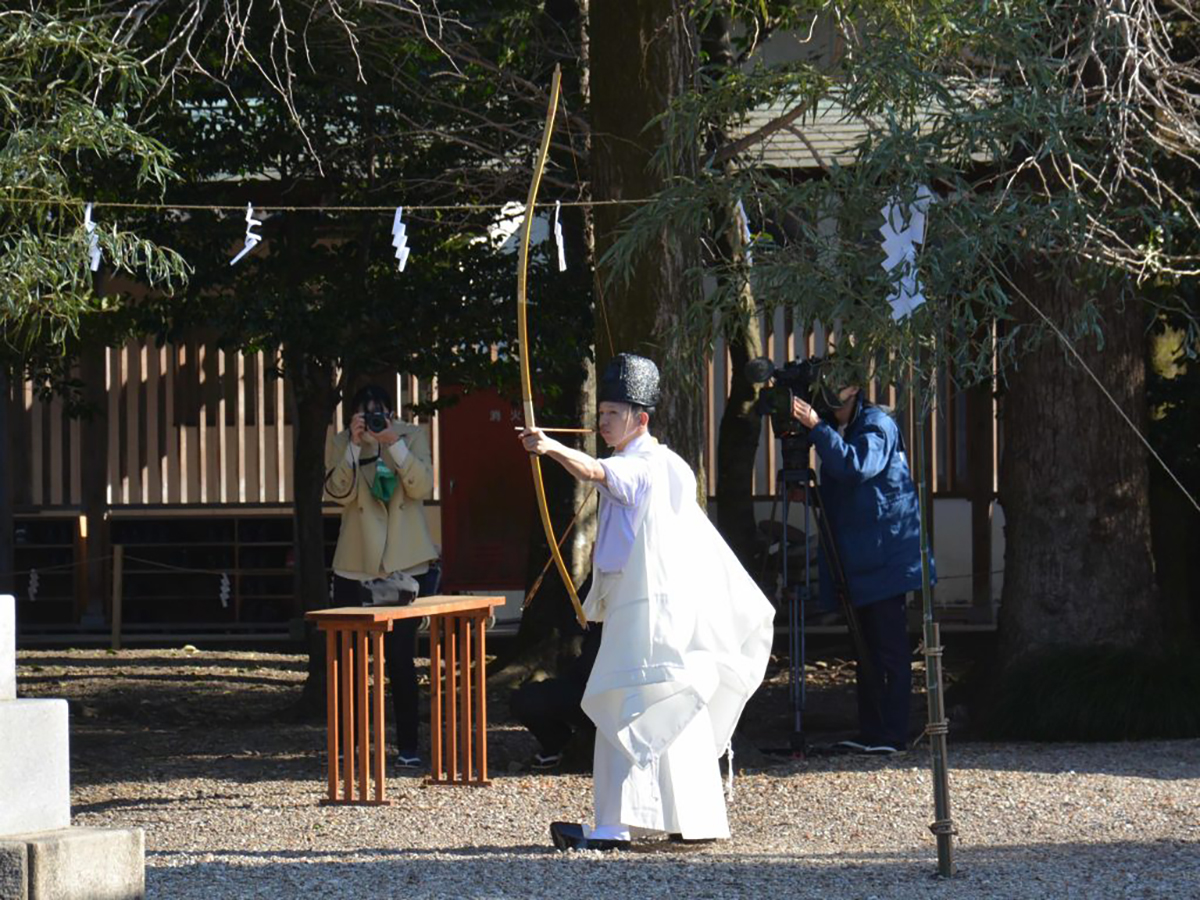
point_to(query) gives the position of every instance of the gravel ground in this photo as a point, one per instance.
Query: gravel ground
(192, 747)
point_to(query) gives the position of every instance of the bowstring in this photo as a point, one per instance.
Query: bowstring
(597, 280)
(1070, 347)
(537, 584)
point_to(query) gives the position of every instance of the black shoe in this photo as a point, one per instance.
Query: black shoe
(542, 761)
(569, 836)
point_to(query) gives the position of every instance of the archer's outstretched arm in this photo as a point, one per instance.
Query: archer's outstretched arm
(578, 463)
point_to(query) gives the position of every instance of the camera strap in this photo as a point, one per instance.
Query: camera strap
(355, 467)
(349, 490)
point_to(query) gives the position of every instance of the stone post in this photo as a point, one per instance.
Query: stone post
(41, 856)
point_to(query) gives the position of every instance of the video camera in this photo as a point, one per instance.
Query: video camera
(803, 378)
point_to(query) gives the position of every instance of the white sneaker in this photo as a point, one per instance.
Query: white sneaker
(546, 761)
(882, 750)
(856, 746)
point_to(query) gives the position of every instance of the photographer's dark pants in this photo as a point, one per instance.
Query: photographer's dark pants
(399, 647)
(884, 696)
(550, 709)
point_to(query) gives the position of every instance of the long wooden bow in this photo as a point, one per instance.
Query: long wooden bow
(523, 339)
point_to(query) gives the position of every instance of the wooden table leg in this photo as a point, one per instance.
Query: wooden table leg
(464, 668)
(435, 698)
(377, 712)
(480, 622)
(451, 657)
(355, 655)
(347, 683)
(361, 703)
(331, 709)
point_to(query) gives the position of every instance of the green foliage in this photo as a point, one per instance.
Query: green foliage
(1024, 117)
(393, 118)
(65, 94)
(1098, 694)
(1172, 389)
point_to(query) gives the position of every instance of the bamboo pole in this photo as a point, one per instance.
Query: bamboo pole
(937, 726)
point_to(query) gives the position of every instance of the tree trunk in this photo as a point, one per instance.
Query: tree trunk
(313, 400)
(1074, 487)
(550, 615)
(7, 582)
(642, 55)
(737, 446)
(741, 424)
(539, 641)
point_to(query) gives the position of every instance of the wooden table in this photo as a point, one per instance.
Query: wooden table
(458, 707)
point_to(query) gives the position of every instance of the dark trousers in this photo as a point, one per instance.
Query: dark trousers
(884, 696)
(399, 648)
(550, 709)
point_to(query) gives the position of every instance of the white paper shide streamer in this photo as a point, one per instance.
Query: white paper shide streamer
(93, 242)
(400, 237)
(558, 238)
(252, 237)
(904, 228)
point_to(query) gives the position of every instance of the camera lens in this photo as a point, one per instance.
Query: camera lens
(376, 422)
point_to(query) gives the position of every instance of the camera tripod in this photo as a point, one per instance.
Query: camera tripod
(805, 479)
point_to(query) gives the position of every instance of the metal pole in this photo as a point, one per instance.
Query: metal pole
(937, 727)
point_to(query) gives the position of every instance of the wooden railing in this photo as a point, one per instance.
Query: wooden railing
(187, 423)
(193, 424)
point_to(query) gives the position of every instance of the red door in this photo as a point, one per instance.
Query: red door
(488, 505)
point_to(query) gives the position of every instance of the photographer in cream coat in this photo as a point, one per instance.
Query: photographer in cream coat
(686, 638)
(381, 473)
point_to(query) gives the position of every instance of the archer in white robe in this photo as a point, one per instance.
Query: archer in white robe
(687, 636)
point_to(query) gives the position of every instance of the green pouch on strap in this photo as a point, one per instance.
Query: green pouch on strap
(384, 484)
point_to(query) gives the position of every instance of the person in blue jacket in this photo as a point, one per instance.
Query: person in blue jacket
(872, 508)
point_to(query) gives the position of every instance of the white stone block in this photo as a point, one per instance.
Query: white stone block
(8, 647)
(87, 864)
(35, 772)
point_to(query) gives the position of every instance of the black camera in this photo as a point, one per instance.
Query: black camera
(805, 379)
(376, 422)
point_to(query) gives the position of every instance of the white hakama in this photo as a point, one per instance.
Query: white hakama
(687, 635)
(679, 792)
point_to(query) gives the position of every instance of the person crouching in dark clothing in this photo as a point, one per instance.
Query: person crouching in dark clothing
(551, 709)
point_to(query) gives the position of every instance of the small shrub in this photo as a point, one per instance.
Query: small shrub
(1097, 694)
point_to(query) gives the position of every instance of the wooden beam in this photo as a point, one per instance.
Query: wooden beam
(260, 424)
(980, 424)
(33, 410)
(152, 466)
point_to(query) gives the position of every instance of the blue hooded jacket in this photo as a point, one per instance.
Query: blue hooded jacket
(872, 507)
